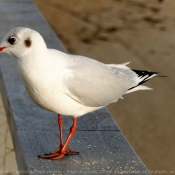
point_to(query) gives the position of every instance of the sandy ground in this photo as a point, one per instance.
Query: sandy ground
(7, 154)
(117, 31)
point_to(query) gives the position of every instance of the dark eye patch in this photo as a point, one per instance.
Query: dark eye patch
(12, 40)
(28, 42)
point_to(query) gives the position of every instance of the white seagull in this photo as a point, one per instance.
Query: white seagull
(68, 84)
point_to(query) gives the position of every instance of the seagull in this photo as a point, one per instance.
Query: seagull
(68, 84)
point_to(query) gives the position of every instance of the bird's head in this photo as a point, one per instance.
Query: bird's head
(20, 42)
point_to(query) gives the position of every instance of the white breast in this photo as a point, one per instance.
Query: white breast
(45, 88)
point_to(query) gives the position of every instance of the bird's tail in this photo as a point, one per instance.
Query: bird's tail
(143, 76)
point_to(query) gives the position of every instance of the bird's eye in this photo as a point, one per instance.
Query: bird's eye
(12, 40)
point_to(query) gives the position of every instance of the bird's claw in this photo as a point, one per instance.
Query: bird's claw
(58, 154)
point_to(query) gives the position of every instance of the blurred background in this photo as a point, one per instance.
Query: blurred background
(118, 31)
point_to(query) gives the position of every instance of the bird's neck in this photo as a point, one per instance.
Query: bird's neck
(34, 60)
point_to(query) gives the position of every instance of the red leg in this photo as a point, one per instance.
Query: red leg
(63, 149)
(60, 123)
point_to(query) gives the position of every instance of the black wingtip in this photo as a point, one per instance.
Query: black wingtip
(143, 73)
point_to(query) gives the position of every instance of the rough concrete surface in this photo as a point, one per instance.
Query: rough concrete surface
(117, 31)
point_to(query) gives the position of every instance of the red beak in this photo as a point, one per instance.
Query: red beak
(1, 48)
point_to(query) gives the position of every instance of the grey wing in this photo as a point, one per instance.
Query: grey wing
(95, 84)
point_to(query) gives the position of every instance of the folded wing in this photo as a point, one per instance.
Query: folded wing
(96, 84)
